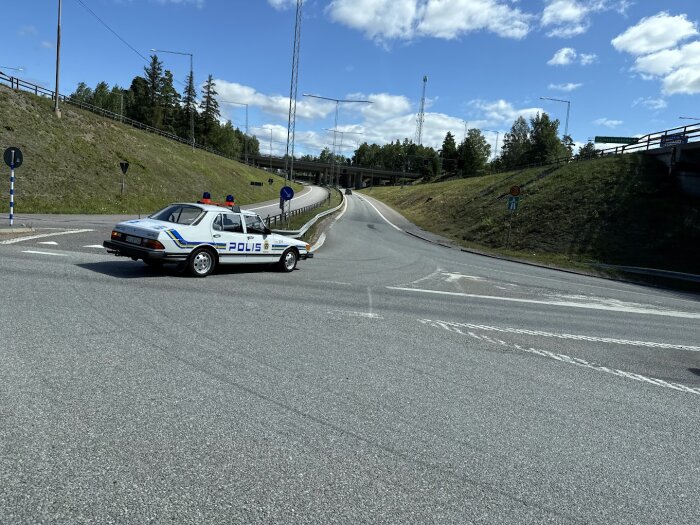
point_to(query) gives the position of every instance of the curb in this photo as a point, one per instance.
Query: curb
(11, 231)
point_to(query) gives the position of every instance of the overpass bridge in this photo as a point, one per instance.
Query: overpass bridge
(324, 173)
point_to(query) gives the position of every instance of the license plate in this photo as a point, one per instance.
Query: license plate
(133, 240)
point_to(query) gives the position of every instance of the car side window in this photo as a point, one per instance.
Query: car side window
(218, 223)
(254, 224)
(232, 223)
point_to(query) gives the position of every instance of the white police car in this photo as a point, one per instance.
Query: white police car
(201, 236)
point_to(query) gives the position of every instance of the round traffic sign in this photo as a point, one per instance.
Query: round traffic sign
(286, 193)
(13, 157)
(515, 191)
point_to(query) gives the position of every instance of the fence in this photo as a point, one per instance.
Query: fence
(274, 220)
(19, 84)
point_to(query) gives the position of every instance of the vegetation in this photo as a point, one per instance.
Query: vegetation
(622, 210)
(71, 165)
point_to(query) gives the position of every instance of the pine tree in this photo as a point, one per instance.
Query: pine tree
(516, 144)
(154, 83)
(189, 112)
(210, 109)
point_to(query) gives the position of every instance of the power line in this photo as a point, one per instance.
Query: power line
(111, 30)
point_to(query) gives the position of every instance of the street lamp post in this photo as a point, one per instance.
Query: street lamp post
(188, 87)
(12, 68)
(690, 118)
(342, 136)
(56, 109)
(335, 126)
(568, 109)
(246, 124)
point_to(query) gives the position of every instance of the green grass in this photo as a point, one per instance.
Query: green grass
(622, 210)
(71, 165)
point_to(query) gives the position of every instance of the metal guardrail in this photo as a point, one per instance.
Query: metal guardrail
(19, 84)
(298, 233)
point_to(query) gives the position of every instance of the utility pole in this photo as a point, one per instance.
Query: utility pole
(568, 109)
(56, 109)
(291, 122)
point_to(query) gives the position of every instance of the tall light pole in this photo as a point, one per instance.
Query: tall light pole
(12, 68)
(188, 86)
(335, 126)
(56, 109)
(246, 123)
(342, 136)
(568, 109)
(690, 118)
(495, 150)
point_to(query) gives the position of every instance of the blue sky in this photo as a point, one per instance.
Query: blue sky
(627, 67)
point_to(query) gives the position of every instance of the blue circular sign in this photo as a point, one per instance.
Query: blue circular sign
(286, 193)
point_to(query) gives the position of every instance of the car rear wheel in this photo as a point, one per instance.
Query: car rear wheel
(288, 261)
(201, 262)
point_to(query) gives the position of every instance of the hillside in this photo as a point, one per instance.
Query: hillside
(622, 210)
(71, 165)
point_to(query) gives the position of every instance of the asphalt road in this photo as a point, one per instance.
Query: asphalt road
(387, 380)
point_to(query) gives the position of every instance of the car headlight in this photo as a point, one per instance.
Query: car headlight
(308, 247)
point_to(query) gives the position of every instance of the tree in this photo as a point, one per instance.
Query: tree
(170, 102)
(473, 154)
(516, 144)
(189, 109)
(154, 84)
(137, 103)
(100, 97)
(588, 151)
(82, 93)
(210, 109)
(545, 145)
(448, 153)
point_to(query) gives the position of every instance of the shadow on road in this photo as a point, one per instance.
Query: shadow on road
(138, 270)
(695, 371)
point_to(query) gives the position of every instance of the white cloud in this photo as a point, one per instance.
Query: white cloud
(565, 87)
(650, 103)
(501, 112)
(383, 20)
(307, 108)
(47, 45)
(608, 123)
(569, 18)
(281, 5)
(197, 3)
(685, 80)
(588, 58)
(654, 33)
(27, 31)
(563, 57)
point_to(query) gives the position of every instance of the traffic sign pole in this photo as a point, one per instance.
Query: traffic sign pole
(12, 189)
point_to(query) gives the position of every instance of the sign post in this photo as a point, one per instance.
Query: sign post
(124, 165)
(513, 199)
(13, 158)
(286, 194)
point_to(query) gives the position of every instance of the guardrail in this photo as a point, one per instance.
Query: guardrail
(19, 84)
(298, 233)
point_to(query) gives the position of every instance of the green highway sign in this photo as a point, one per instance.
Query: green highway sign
(616, 140)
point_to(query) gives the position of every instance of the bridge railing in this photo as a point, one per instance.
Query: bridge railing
(274, 220)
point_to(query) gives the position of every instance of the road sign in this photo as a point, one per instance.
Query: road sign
(286, 193)
(673, 140)
(513, 202)
(13, 157)
(515, 191)
(255, 183)
(616, 140)
(124, 165)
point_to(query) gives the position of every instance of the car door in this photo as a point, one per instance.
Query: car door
(260, 244)
(228, 234)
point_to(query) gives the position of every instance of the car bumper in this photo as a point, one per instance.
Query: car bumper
(137, 252)
(303, 256)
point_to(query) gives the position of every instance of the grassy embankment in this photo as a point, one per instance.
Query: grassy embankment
(71, 165)
(622, 210)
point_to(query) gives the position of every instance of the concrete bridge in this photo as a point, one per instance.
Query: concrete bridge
(342, 174)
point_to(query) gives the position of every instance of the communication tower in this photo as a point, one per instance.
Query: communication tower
(421, 114)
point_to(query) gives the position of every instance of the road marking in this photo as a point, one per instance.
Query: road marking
(568, 359)
(42, 235)
(52, 243)
(380, 214)
(93, 246)
(45, 253)
(566, 304)
(322, 238)
(350, 313)
(574, 337)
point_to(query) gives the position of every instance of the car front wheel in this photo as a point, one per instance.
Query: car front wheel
(289, 261)
(201, 262)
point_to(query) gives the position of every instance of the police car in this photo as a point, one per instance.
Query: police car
(199, 236)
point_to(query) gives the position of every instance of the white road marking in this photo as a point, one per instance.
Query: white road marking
(45, 253)
(52, 243)
(303, 194)
(380, 214)
(566, 304)
(93, 246)
(43, 235)
(573, 337)
(350, 313)
(571, 360)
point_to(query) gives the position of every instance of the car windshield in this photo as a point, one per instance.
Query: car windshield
(178, 214)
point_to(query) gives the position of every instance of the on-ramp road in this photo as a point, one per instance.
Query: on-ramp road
(387, 380)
